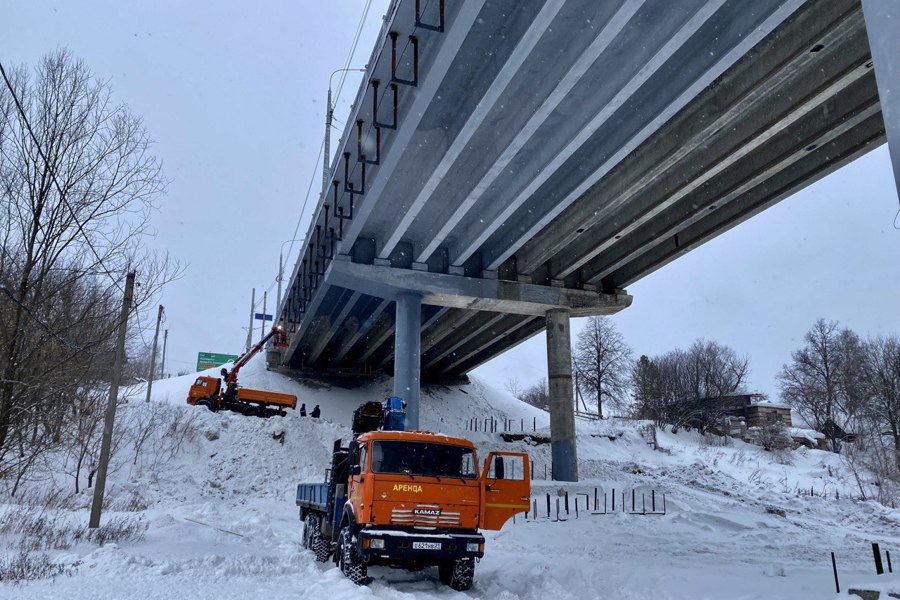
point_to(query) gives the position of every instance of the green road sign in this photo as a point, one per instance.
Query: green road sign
(209, 360)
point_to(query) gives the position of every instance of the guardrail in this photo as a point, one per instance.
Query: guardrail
(563, 507)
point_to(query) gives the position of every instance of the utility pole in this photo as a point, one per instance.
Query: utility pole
(278, 300)
(162, 364)
(159, 315)
(262, 325)
(250, 329)
(329, 117)
(326, 167)
(105, 447)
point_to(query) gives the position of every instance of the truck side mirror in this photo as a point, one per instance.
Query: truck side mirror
(498, 467)
(355, 470)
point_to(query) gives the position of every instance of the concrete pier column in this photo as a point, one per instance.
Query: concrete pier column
(562, 405)
(883, 28)
(407, 354)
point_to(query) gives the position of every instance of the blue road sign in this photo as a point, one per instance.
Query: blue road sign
(262, 317)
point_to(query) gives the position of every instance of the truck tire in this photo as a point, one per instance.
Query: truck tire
(458, 574)
(353, 564)
(318, 544)
(207, 403)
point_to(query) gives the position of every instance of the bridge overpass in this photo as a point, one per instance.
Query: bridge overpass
(510, 164)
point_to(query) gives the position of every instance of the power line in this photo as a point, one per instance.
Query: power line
(140, 328)
(308, 192)
(356, 36)
(51, 170)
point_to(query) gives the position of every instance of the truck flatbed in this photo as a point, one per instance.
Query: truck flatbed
(266, 398)
(312, 495)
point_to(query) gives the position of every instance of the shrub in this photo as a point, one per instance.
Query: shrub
(118, 530)
(28, 566)
(773, 436)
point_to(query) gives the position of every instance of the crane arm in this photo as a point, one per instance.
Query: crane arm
(246, 356)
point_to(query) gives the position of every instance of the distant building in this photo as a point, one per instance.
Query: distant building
(833, 431)
(807, 437)
(753, 409)
(745, 412)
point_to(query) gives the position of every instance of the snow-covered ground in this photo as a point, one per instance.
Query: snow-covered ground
(221, 520)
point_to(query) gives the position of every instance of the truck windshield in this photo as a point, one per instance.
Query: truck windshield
(422, 458)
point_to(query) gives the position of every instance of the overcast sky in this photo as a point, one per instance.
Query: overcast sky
(234, 95)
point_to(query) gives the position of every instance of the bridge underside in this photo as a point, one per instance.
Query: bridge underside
(565, 148)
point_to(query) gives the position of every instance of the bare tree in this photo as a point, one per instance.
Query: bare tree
(824, 380)
(602, 361)
(537, 395)
(647, 393)
(882, 370)
(77, 187)
(685, 387)
(513, 386)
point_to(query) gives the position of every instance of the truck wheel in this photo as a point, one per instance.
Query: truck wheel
(315, 542)
(320, 546)
(462, 574)
(207, 403)
(353, 564)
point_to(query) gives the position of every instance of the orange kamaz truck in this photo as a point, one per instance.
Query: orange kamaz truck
(413, 499)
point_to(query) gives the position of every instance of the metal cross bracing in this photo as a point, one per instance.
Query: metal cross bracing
(506, 158)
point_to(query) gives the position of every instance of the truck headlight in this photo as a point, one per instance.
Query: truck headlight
(470, 547)
(377, 544)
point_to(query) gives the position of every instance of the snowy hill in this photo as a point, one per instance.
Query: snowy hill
(215, 492)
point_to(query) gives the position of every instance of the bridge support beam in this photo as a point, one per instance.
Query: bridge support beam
(562, 405)
(407, 353)
(882, 24)
(454, 291)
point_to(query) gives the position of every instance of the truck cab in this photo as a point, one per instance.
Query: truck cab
(413, 499)
(204, 391)
(412, 479)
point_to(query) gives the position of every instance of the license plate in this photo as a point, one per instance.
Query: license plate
(426, 546)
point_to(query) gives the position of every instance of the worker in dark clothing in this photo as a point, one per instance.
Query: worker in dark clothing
(315, 412)
(230, 386)
(303, 409)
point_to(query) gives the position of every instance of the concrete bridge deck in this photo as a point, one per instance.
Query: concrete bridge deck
(565, 145)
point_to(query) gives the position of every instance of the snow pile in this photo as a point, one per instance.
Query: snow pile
(221, 522)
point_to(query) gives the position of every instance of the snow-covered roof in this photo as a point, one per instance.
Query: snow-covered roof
(738, 394)
(810, 434)
(766, 404)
